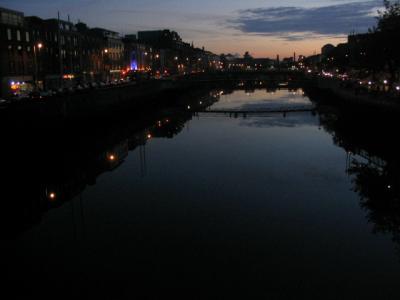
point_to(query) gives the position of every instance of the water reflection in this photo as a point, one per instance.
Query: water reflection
(255, 199)
(373, 164)
(71, 159)
(261, 99)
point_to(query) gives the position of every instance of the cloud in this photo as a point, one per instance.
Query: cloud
(299, 23)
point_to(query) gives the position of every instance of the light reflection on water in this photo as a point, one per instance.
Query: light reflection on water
(257, 99)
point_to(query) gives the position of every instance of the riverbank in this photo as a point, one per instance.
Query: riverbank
(103, 102)
(339, 92)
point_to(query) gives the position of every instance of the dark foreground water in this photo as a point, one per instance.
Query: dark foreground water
(208, 205)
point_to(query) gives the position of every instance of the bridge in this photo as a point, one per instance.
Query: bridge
(242, 111)
(268, 76)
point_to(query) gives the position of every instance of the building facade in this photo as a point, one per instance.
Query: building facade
(49, 54)
(16, 54)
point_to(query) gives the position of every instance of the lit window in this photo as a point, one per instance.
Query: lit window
(18, 35)
(27, 38)
(9, 36)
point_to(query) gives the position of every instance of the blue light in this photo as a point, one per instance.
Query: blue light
(134, 64)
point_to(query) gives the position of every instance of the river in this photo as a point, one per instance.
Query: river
(205, 204)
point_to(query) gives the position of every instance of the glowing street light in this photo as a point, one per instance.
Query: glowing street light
(52, 196)
(36, 48)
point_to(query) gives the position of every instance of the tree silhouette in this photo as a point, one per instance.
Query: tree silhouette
(387, 37)
(389, 19)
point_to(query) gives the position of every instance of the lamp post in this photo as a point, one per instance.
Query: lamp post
(36, 48)
(156, 63)
(104, 52)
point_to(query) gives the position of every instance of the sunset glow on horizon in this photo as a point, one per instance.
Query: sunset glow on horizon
(264, 28)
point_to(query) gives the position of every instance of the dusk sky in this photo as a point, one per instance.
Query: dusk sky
(262, 27)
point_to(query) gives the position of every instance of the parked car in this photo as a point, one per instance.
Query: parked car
(35, 95)
(46, 93)
(4, 103)
(20, 97)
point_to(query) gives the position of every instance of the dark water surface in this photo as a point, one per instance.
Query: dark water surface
(208, 205)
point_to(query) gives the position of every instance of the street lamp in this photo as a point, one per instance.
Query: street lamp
(35, 58)
(105, 51)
